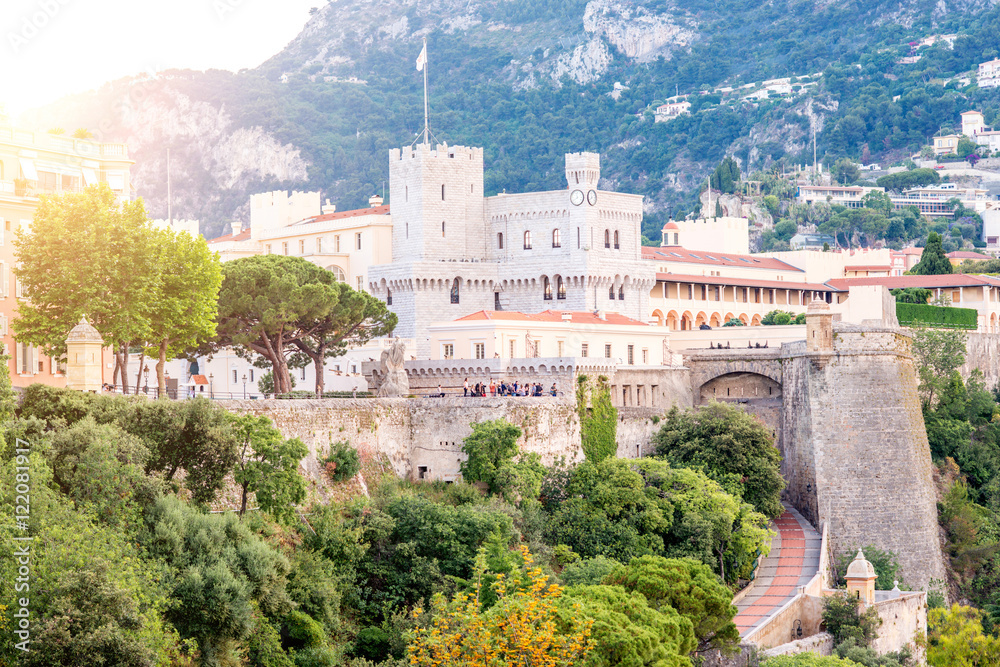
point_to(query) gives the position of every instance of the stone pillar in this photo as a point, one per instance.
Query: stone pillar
(861, 579)
(84, 358)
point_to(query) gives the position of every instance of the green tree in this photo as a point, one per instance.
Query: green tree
(777, 317)
(8, 399)
(87, 254)
(268, 466)
(966, 147)
(911, 295)
(878, 201)
(726, 176)
(733, 322)
(352, 320)
(186, 302)
(955, 637)
(939, 353)
(845, 171)
(691, 588)
(933, 260)
(627, 630)
(808, 660)
(731, 446)
(263, 303)
(492, 450)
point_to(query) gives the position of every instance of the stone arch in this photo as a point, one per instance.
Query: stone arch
(700, 319)
(744, 319)
(673, 320)
(755, 321)
(729, 316)
(715, 320)
(658, 316)
(687, 321)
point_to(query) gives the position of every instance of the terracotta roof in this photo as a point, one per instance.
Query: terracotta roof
(965, 254)
(931, 282)
(863, 267)
(340, 215)
(680, 254)
(912, 251)
(242, 236)
(670, 225)
(742, 282)
(199, 379)
(577, 317)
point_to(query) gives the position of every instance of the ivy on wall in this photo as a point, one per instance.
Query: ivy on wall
(598, 418)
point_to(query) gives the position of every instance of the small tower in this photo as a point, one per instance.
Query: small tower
(861, 579)
(83, 358)
(671, 234)
(819, 327)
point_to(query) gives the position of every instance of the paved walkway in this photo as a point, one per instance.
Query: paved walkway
(793, 561)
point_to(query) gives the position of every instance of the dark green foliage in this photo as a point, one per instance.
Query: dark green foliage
(845, 620)
(372, 643)
(268, 466)
(629, 631)
(689, 587)
(726, 176)
(492, 450)
(933, 260)
(904, 180)
(780, 317)
(588, 572)
(623, 509)
(730, 446)
(734, 322)
(939, 317)
(911, 295)
(343, 462)
(598, 418)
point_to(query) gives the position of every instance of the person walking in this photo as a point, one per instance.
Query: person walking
(465, 387)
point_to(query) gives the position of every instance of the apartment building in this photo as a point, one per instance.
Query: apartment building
(989, 74)
(34, 164)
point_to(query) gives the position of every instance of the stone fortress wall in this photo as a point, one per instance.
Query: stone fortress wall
(843, 403)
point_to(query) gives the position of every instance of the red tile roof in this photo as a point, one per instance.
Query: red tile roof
(679, 254)
(577, 317)
(912, 251)
(242, 236)
(340, 215)
(863, 267)
(741, 282)
(930, 282)
(965, 254)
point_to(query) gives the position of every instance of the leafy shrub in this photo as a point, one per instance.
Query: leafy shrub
(342, 463)
(886, 564)
(599, 422)
(939, 317)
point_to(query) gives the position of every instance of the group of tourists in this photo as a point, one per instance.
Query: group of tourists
(504, 388)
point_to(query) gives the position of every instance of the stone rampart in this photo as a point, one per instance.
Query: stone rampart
(983, 352)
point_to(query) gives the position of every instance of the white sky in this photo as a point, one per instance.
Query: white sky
(52, 48)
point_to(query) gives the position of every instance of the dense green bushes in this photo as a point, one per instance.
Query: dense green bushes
(942, 317)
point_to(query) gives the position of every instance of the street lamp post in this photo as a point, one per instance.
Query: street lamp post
(145, 372)
(244, 386)
(211, 385)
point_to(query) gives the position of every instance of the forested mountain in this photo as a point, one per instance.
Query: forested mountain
(530, 81)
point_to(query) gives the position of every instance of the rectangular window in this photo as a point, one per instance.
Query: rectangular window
(236, 378)
(607, 350)
(690, 292)
(302, 246)
(267, 248)
(631, 355)
(645, 356)
(357, 239)
(336, 243)
(704, 292)
(302, 373)
(718, 294)
(251, 375)
(284, 248)
(361, 284)
(480, 350)
(449, 351)
(560, 345)
(319, 246)
(584, 349)
(513, 349)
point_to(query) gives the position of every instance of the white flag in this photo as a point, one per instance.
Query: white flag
(422, 59)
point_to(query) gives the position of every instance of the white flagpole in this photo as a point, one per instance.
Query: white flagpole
(427, 128)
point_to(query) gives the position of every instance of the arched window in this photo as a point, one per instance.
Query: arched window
(527, 240)
(500, 240)
(560, 288)
(442, 192)
(442, 228)
(407, 230)
(547, 287)
(611, 292)
(455, 286)
(607, 239)
(338, 273)
(388, 296)
(621, 293)
(616, 239)
(556, 238)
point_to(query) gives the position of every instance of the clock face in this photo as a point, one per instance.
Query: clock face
(592, 197)
(576, 197)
